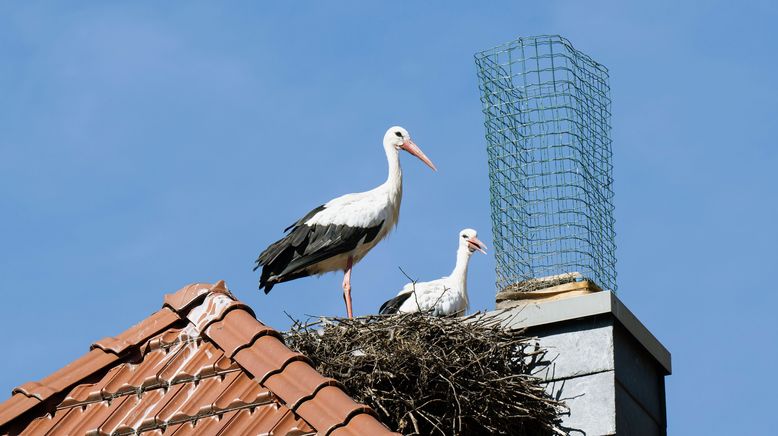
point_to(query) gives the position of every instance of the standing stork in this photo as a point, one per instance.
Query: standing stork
(445, 296)
(338, 234)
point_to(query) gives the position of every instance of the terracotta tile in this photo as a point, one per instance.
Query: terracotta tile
(149, 327)
(186, 296)
(80, 369)
(119, 384)
(92, 392)
(213, 308)
(202, 397)
(165, 340)
(113, 345)
(195, 400)
(329, 408)
(85, 393)
(259, 421)
(221, 287)
(241, 392)
(172, 370)
(362, 424)
(34, 389)
(88, 364)
(15, 406)
(208, 426)
(186, 400)
(132, 378)
(60, 380)
(129, 415)
(292, 424)
(202, 362)
(153, 418)
(266, 356)
(224, 381)
(86, 419)
(297, 381)
(40, 426)
(172, 410)
(148, 375)
(222, 365)
(236, 330)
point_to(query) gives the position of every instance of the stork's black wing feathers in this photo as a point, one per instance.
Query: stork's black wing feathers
(307, 216)
(304, 246)
(393, 305)
(277, 248)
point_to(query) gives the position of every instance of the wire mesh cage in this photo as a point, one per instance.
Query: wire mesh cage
(547, 119)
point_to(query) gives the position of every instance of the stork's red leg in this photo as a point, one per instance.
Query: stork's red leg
(347, 286)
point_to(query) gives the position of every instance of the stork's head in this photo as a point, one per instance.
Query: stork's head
(468, 238)
(399, 139)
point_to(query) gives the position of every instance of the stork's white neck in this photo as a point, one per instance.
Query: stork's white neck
(459, 275)
(394, 181)
(463, 259)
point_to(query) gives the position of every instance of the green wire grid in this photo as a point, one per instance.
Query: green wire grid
(547, 119)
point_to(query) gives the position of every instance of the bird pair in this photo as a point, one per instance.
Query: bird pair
(338, 234)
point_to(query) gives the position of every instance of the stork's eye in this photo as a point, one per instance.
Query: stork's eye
(399, 134)
(464, 236)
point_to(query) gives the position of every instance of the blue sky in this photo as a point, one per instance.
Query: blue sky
(145, 146)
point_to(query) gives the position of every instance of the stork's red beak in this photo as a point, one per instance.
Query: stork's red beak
(414, 149)
(475, 244)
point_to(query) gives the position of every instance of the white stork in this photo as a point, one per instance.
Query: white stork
(338, 234)
(445, 296)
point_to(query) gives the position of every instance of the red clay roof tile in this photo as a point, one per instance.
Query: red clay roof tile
(291, 425)
(329, 409)
(35, 390)
(15, 406)
(212, 425)
(360, 425)
(187, 296)
(238, 329)
(140, 332)
(41, 425)
(202, 364)
(213, 309)
(297, 382)
(266, 357)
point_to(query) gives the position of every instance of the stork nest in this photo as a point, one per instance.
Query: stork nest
(428, 375)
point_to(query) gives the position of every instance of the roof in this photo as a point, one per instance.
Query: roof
(202, 364)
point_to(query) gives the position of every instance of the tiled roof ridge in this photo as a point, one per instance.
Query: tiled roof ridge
(232, 326)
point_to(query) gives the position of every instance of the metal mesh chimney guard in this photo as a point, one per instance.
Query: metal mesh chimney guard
(547, 110)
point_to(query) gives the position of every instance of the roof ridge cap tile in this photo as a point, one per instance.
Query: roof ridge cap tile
(237, 330)
(367, 410)
(192, 294)
(213, 308)
(35, 390)
(332, 408)
(362, 423)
